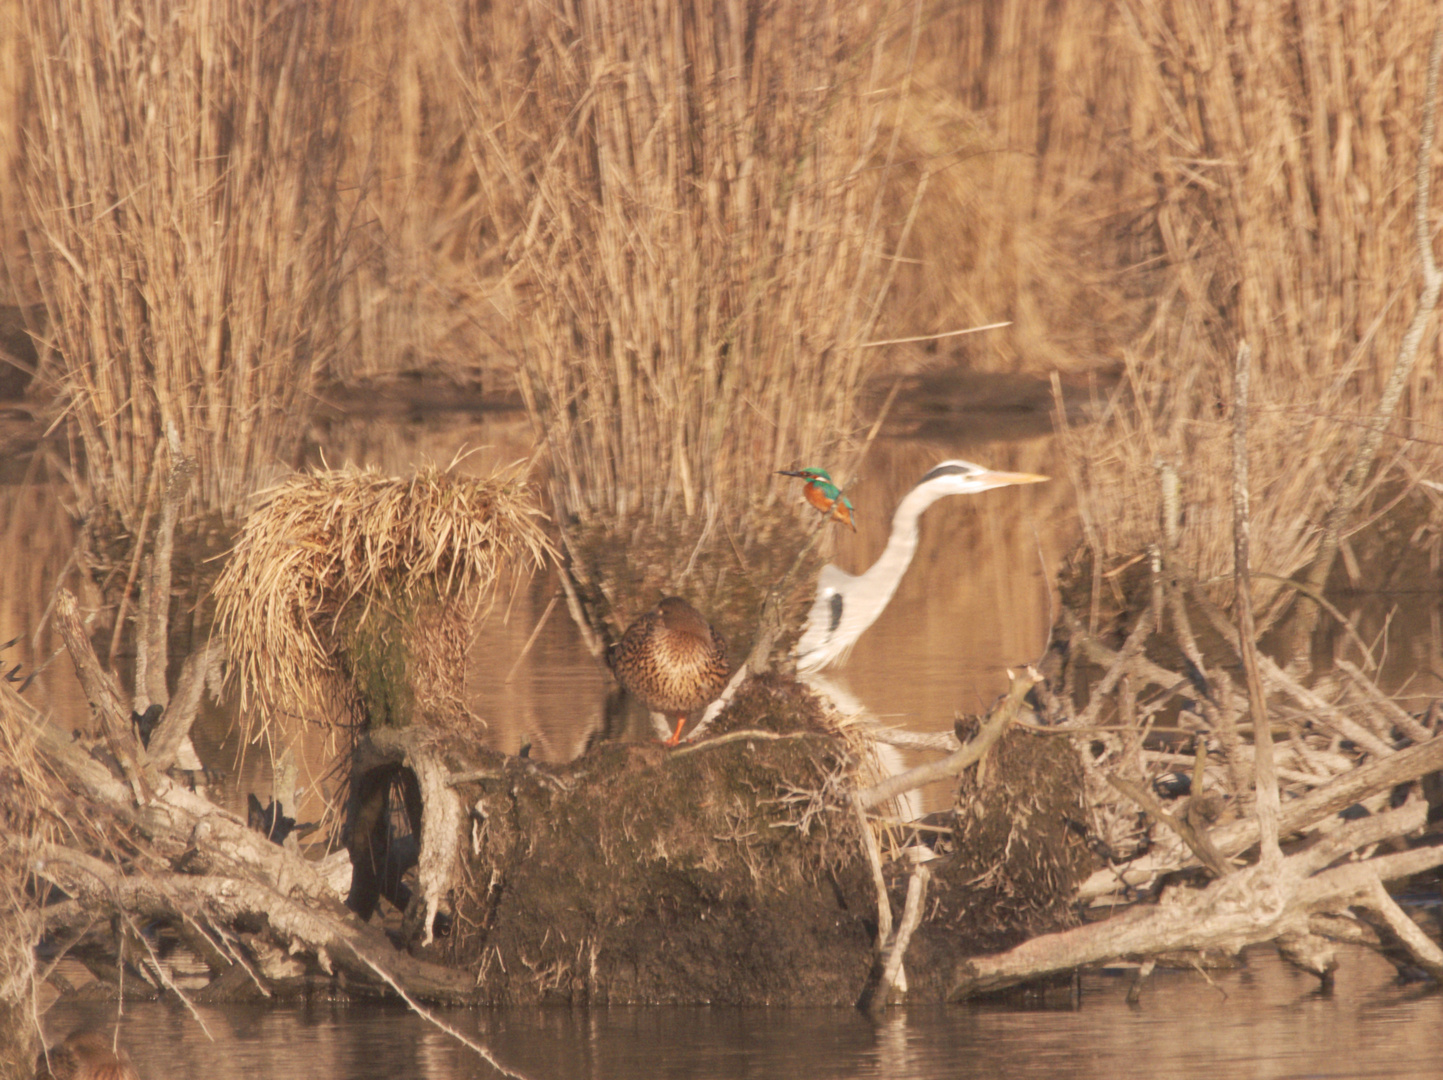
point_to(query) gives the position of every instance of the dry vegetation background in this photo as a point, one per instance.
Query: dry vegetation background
(675, 228)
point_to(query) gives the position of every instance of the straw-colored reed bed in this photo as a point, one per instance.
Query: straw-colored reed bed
(680, 225)
(346, 579)
(185, 219)
(1283, 142)
(689, 203)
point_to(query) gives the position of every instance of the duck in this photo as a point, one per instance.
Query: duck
(88, 1054)
(672, 661)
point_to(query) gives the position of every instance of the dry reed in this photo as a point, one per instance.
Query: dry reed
(186, 228)
(685, 206)
(417, 295)
(347, 586)
(678, 224)
(1282, 142)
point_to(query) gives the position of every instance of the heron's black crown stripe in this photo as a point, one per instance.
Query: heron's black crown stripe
(946, 470)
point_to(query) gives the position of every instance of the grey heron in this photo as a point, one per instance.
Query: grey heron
(847, 604)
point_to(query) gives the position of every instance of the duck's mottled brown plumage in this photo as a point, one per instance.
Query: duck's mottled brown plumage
(85, 1055)
(671, 660)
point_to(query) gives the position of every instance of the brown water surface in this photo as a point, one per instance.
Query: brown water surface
(1263, 1022)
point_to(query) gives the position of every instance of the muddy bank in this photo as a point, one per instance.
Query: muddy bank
(733, 871)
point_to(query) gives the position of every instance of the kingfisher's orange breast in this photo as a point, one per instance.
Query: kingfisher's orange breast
(836, 507)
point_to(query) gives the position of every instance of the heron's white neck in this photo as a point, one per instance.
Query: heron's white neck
(884, 575)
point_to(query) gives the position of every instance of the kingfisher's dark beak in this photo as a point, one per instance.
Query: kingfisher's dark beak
(786, 472)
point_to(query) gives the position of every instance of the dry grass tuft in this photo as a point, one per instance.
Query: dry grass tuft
(352, 588)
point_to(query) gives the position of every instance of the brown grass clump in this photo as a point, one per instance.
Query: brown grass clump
(186, 226)
(348, 587)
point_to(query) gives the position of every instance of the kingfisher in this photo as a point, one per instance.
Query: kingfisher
(825, 495)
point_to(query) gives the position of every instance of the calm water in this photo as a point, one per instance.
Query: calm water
(1264, 1021)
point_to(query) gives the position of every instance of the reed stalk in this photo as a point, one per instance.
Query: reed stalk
(1281, 141)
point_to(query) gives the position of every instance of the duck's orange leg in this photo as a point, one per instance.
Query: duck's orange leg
(676, 735)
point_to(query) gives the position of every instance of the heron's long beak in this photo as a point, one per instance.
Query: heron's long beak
(991, 478)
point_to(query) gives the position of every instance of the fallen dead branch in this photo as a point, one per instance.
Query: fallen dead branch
(1002, 715)
(1298, 815)
(1261, 903)
(303, 925)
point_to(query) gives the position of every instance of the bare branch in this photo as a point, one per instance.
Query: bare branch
(1265, 779)
(1003, 713)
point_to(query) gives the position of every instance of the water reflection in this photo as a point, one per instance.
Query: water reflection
(1265, 1020)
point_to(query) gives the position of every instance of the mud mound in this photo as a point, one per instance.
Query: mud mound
(726, 873)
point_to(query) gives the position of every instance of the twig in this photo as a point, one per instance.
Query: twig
(426, 1014)
(874, 860)
(934, 337)
(103, 695)
(723, 699)
(1396, 715)
(897, 952)
(1197, 842)
(589, 636)
(1003, 713)
(1326, 714)
(531, 640)
(161, 973)
(136, 555)
(741, 736)
(176, 722)
(1324, 603)
(1265, 779)
(1130, 651)
(942, 741)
